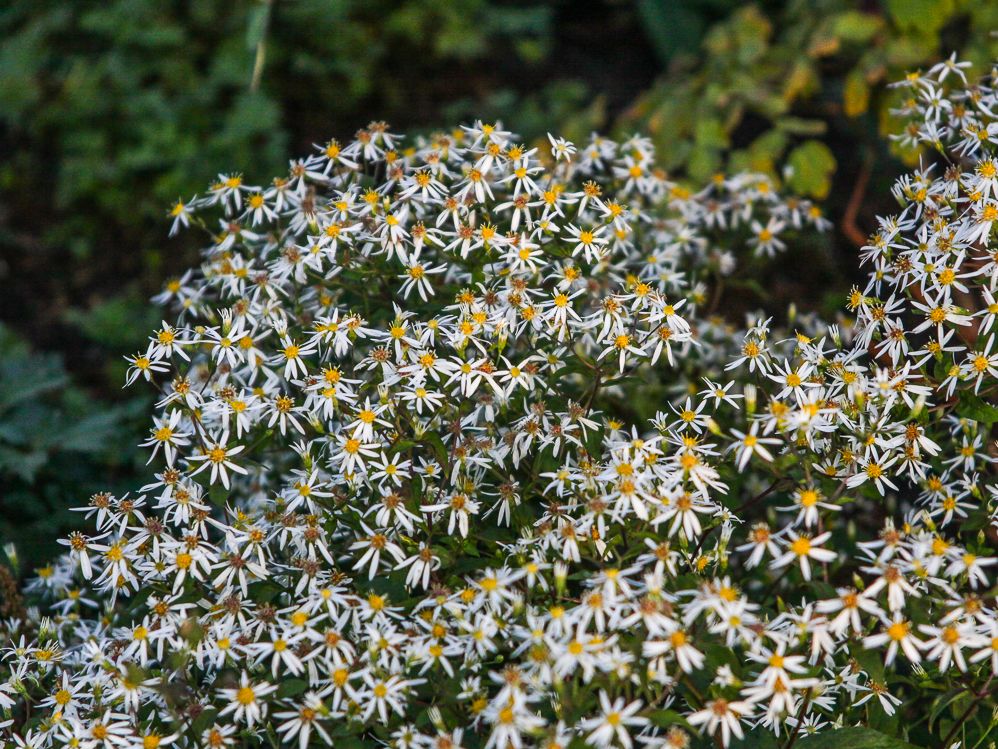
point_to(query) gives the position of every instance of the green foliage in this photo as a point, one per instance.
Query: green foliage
(57, 445)
(136, 102)
(811, 167)
(853, 738)
(766, 80)
(971, 406)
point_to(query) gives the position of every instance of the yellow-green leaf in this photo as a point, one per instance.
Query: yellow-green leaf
(856, 26)
(923, 15)
(855, 94)
(812, 165)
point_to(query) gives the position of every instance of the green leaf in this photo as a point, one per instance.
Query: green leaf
(871, 662)
(432, 439)
(712, 134)
(759, 738)
(401, 446)
(813, 165)
(24, 379)
(218, 495)
(854, 738)
(23, 464)
(856, 26)
(974, 407)
(91, 433)
(121, 322)
(667, 718)
(802, 126)
(671, 27)
(855, 94)
(927, 16)
(291, 688)
(942, 702)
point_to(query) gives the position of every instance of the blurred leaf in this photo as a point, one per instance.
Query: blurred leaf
(942, 702)
(801, 126)
(291, 688)
(853, 738)
(813, 164)
(667, 718)
(672, 27)
(120, 323)
(24, 465)
(856, 26)
(856, 94)
(259, 18)
(758, 738)
(24, 379)
(800, 81)
(90, 433)
(57, 442)
(922, 15)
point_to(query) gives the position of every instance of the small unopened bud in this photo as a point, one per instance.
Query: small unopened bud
(836, 335)
(560, 576)
(436, 718)
(10, 551)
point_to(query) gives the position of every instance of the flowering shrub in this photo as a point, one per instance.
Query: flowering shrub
(408, 490)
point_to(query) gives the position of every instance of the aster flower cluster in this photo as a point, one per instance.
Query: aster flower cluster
(408, 491)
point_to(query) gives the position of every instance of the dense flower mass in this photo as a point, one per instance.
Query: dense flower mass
(409, 490)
